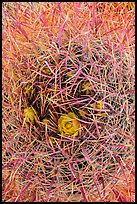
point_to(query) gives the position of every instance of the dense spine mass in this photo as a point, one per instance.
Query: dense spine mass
(68, 101)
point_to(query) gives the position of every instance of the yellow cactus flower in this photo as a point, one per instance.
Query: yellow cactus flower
(71, 74)
(29, 114)
(27, 89)
(47, 71)
(45, 120)
(97, 105)
(86, 87)
(68, 125)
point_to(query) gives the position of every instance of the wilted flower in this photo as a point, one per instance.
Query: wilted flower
(68, 125)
